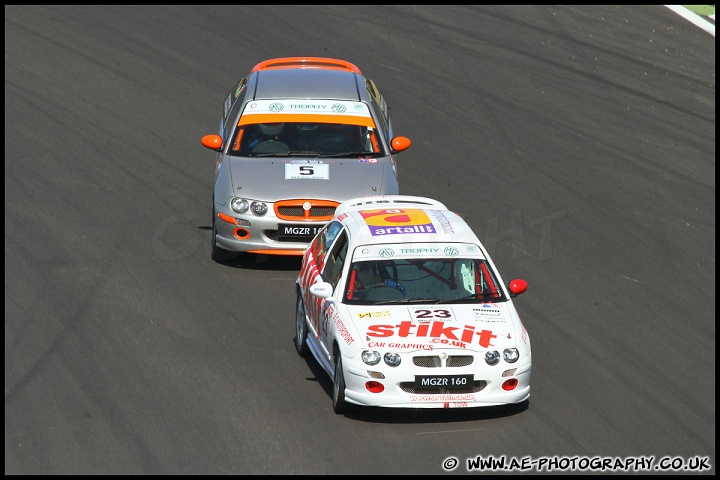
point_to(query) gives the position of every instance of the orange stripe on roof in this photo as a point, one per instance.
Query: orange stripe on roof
(251, 119)
(306, 62)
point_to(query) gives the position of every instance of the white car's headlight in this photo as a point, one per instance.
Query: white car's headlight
(239, 205)
(258, 208)
(511, 355)
(370, 357)
(492, 357)
(392, 359)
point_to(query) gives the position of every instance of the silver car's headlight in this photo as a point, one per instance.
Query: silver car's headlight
(511, 355)
(258, 208)
(239, 205)
(492, 357)
(370, 357)
(392, 359)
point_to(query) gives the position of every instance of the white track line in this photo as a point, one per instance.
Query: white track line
(694, 18)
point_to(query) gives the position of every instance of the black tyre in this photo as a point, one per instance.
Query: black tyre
(300, 328)
(340, 406)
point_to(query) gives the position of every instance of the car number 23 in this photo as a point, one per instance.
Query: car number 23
(429, 313)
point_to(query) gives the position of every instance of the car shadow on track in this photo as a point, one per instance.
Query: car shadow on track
(415, 415)
(251, 261)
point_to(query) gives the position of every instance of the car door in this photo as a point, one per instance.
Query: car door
(332, 273)
(314, 263)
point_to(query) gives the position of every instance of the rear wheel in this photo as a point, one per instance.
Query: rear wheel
(338, 399)
(300, 328)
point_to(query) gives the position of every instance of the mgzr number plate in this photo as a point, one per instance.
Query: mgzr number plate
(449, 382)
(297, 232)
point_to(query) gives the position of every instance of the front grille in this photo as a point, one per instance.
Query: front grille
(427, 362)
(287, 213)
(459, 360)
(434, 361)
(293, 210)
(409, 387)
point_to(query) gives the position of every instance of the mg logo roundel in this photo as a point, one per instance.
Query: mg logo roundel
(387, 252)
(338, 108)
(451, 251)
(276, 107)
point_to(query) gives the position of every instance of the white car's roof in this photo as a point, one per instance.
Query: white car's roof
(403, 219)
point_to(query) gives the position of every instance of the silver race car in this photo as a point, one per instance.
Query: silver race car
(298, 136)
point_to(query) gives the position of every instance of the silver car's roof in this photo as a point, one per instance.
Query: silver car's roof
(307, 83)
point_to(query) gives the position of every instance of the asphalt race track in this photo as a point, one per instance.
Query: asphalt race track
(578, 141)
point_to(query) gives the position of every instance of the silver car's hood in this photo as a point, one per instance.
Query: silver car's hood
(272, 179)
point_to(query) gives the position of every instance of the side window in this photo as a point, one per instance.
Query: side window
(380, 107)
(335, 261)
(382, 121)
(377, 97)
(324, 241)
(231, 114)
(232, 96)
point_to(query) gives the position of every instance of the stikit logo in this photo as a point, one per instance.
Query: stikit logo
(397, 221)
(432, 331)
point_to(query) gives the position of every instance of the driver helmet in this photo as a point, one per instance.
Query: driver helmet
(365, 273)
(271, 128)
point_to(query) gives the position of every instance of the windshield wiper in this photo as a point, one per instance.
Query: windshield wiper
(290, 153)
(349, 154)
(475, 296)
(302, 153)
(419, 300)
(407, 300)
(268, 154)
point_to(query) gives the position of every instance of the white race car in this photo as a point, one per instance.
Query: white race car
(401, 305)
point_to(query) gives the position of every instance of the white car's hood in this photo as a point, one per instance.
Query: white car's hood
(403, 328)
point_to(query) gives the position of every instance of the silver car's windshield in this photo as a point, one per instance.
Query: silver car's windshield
(305, 139)
(437, 281)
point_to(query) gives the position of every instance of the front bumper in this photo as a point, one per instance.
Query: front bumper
(487, 389)
(253, 234)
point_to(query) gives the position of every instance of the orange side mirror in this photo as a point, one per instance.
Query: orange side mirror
(400, 143)
(213, 142)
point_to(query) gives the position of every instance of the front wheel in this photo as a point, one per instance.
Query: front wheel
(300, 328)
(338, 399)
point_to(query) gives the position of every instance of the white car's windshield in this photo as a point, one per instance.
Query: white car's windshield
(440, 280)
